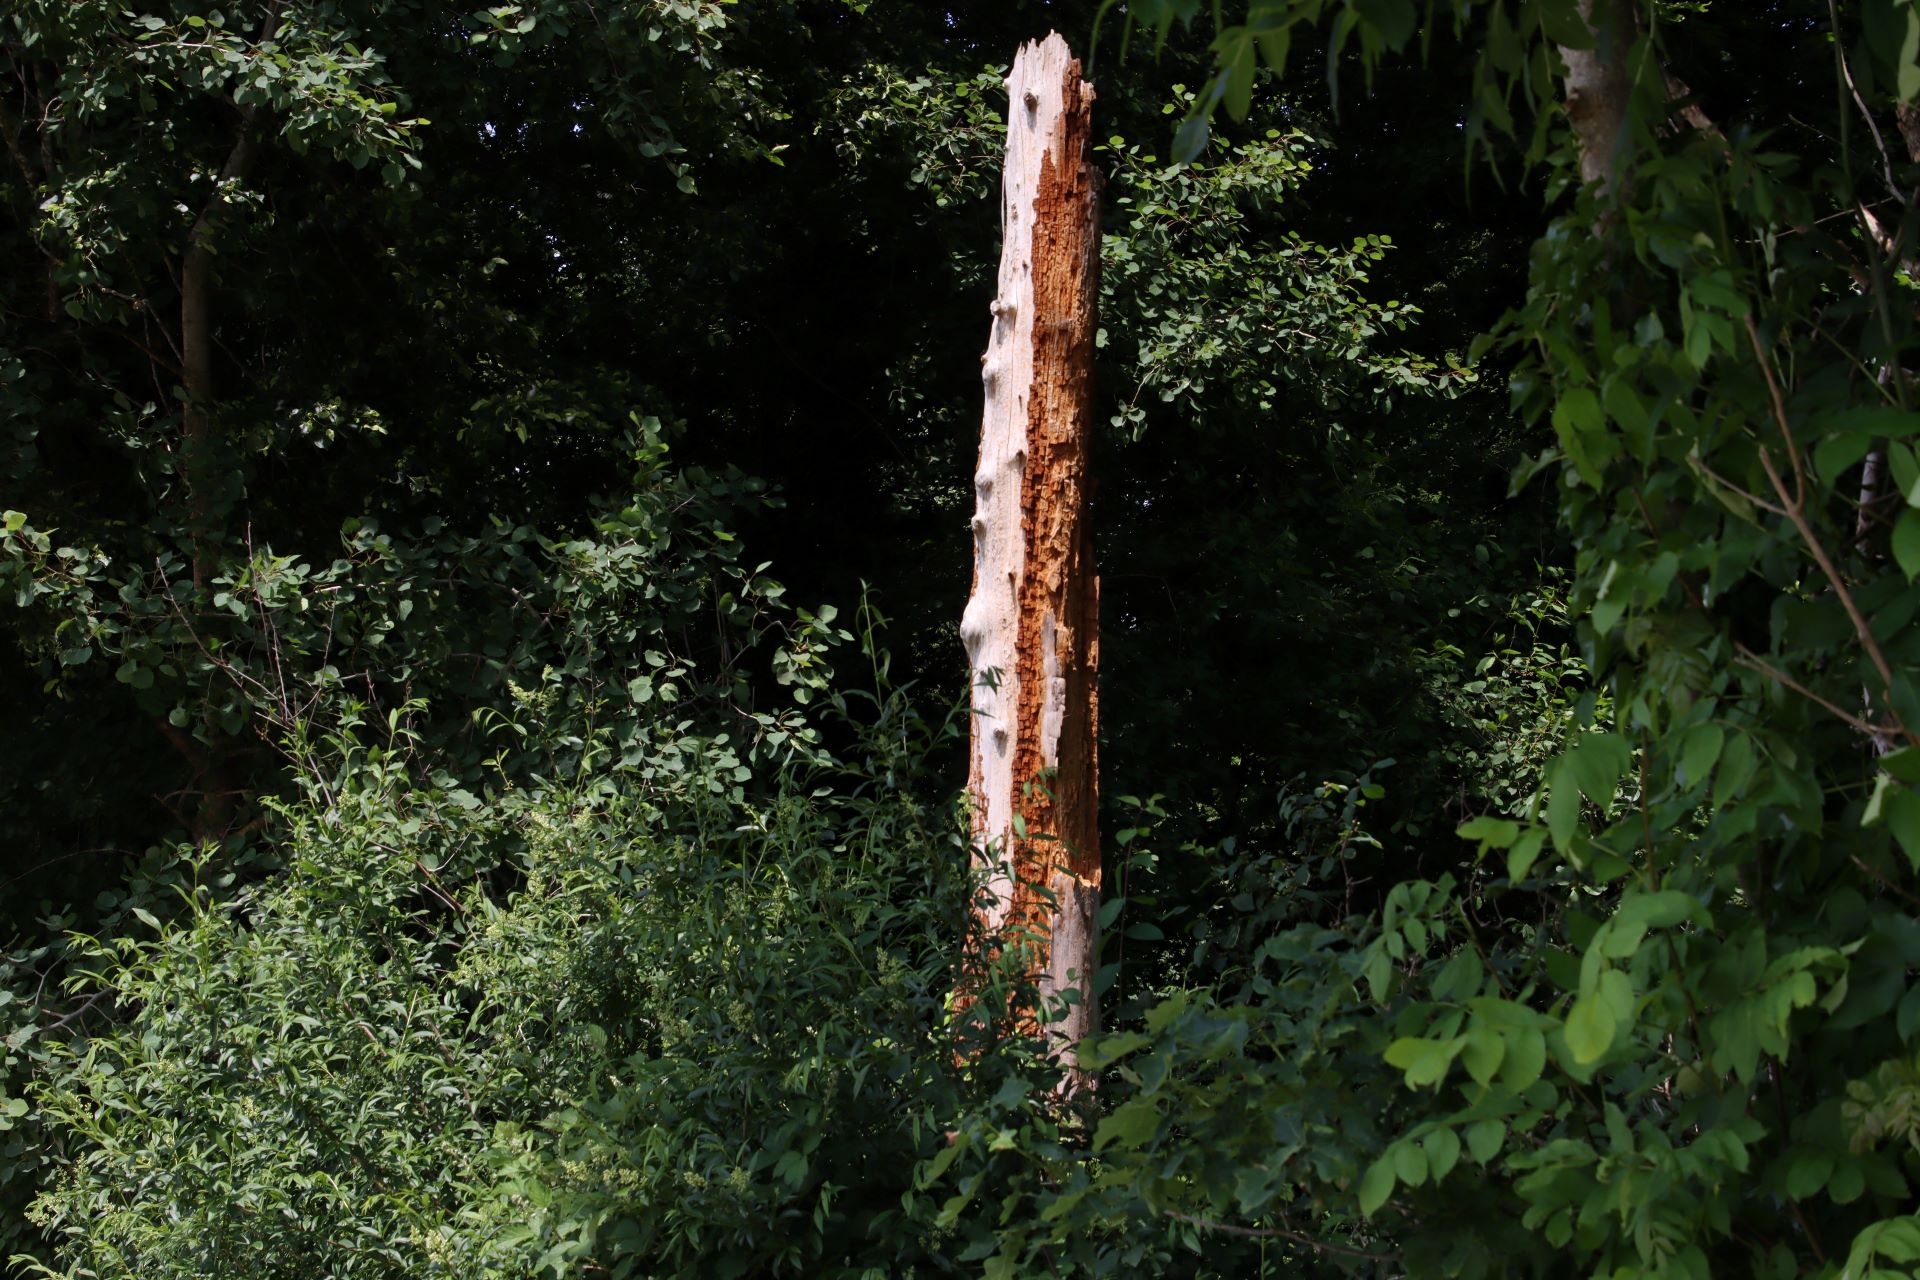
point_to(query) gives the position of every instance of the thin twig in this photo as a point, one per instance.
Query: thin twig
(1280, 1233)
(1885, 883)
(1846, 73)
(1748, 658)
(1796, 513)
(1779, 416)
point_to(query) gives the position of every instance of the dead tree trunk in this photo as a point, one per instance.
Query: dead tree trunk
(1032, 622)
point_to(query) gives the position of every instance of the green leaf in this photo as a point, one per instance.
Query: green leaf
(1906, 543)
(1424, 1061)
(1903, 818)
(1131, 1124)
(1876, 802)
(1526, 1058)
(1525, 851)
(1409, 1163)
(1484, 1138)
(1661, 909)
(1442, 1148)
(1903, 764)
(1190, 139)
(1737, 763)
(1624, 407)
(1492, 833)
(1589, 1028)
(1907, 63)
(1699, 751)
(1239, 73)
(791, 1168)
(1275, 45)
(1375, 1186)
(1563, 807)
(1807, 1174)
(1596, 763)
(1561, 21)
(1616, 988)
(1838, 452)
(1485, 1050)
(1581, 428)
(1395, 20)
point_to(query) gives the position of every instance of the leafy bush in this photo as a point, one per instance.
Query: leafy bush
(602, 1021)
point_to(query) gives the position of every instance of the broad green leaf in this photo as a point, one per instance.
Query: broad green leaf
(1190, 139)
(1526, 1058)
(1616, 988)
(1409, 1163)
(1875, 809)
(1905, 468)
(1239, 74)
(1525, 851)
(1596, 763)
(1130, 1124)
(1737, 763)
(1903, 819)
(1563, 807)
(1589, 1027)
(1903, 764)
(1836, 453)
(1581, 428)
(1624, 407)
(1442, 1147)
(1661, 909)
(1424, 1061)
(1491, 832)
(1275, 44)
(1484, 1138)
(1699, 750)
(1376, 1185)
(1395, 20)
(1907, 70)
(1906, 543)
(1807, 1174)
(1483, 1053)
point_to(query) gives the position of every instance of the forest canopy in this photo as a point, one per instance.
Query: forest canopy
(484, 505)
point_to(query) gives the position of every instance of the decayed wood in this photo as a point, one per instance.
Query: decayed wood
(1032, 622)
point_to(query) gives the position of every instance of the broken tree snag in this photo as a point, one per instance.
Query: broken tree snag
(1032, 622)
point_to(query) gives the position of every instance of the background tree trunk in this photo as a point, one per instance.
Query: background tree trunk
(1032, 622)
(1599, 88)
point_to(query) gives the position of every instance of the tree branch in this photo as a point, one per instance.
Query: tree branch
(1281, 1233)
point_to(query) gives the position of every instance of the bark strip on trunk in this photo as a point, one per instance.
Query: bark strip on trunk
(1032, 622)
(1599, 88)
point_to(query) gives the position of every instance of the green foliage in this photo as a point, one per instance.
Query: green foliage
(1211, 302)
(627, 1017)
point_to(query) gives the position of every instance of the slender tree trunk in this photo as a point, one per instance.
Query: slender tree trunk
(197, 462)
(1032, 622)
(1599, 88)
(199, 467)
(196, 352)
